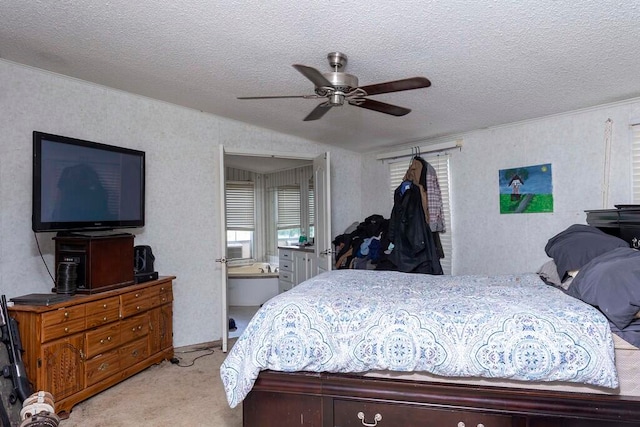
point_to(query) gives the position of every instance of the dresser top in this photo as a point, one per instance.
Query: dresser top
(83, 298)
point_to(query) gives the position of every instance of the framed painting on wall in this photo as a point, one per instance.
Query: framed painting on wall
(526, 189)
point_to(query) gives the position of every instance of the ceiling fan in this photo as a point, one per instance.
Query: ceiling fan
(338, 87)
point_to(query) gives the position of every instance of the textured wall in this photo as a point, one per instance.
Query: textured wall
(487, 242)
(182, 177)
(182, 147)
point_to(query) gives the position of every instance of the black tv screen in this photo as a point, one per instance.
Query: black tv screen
(84, 185)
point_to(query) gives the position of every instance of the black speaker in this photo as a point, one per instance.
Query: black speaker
(143, 259)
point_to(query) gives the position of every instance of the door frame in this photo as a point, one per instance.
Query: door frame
(222, 258)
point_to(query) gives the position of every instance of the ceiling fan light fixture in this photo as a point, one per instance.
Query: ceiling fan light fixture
(336, 99)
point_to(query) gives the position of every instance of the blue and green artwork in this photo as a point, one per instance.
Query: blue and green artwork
(526, 189)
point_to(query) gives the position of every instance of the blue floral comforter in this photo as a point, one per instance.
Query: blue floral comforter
(511, 327)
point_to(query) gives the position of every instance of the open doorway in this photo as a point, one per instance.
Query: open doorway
(280, 172)
(257, 189)
(261, 192)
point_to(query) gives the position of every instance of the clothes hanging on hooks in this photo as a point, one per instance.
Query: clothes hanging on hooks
(424, 175)
(414, 249)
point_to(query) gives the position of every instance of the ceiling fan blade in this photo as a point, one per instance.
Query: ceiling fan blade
(275, 97)
(381, 107)
(314, 75)
(318, 112)
(397, 85)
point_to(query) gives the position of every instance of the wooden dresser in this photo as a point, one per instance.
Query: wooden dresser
(77, 348)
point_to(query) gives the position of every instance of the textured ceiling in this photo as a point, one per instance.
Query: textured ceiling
(490, 62)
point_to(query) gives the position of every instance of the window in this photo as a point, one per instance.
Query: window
(288, 215)
(240, 212)
(441, 164)
(635, 163)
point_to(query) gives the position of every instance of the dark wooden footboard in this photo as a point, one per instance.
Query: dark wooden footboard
(332, 400)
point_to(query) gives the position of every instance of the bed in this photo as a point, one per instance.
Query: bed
(353, 348)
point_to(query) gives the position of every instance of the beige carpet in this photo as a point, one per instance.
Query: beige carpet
(164, 395)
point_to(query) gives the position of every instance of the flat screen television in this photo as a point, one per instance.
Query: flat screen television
(82, 185)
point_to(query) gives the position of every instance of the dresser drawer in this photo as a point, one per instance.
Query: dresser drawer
(102, 366)
(351, 413)
(286, 265)
(161, 294)
(63, 322)
(134, 327)
(103, 311)
(134, 352)
(285, 276)
(284, 286)
(63, 315)
(135, 302)
(102, 339)
(285, 254)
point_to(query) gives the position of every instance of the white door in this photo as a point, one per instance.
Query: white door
(322, 193)
(222, 260)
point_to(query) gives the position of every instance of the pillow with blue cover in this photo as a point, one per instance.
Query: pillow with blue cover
(574, 247)
(611, 282)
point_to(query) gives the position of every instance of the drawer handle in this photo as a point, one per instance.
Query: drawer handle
(102, 341)
(104, 305)
(66, 329)
(134, 353)
(103, 367)
(66, 314)
(137, 307)
(137, 295)
(104, 319)
(376, 418)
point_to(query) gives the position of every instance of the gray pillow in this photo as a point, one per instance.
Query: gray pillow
(611, 282)
(574, 247)
(549, 275)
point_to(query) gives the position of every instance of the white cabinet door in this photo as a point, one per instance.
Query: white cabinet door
(312, 265)
(300, 271)
(305, 265)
